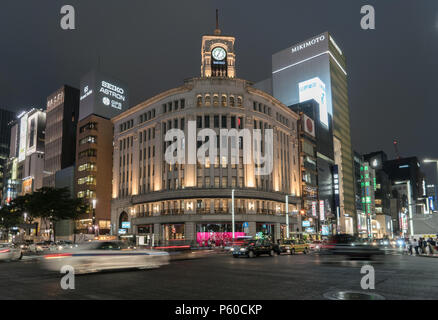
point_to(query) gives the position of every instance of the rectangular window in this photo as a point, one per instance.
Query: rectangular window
(233, 122)
(224, 122)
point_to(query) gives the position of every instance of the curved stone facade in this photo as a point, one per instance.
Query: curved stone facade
(178, 201)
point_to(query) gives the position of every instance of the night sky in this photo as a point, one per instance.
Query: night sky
(154, 45)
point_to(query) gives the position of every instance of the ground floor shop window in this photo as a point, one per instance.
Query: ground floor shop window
(265, 230)
(145, 229)
(217, 234)
(173, 232)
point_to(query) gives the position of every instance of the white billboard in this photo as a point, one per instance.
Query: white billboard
(23, 138)
(315, 89)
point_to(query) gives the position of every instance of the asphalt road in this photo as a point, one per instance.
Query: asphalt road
(219, 276)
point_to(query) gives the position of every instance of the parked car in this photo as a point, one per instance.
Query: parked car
(292, 246)
(253, 248)
(97, 256)
(10, 251)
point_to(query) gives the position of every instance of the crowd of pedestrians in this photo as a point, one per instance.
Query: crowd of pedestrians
(422, 246)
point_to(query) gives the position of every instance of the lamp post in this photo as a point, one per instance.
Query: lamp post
(232, 212)
(287, 217)
(94, 201)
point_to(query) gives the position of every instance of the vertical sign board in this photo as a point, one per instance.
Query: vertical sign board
(314, 209)
(23, 138)
(322, 210)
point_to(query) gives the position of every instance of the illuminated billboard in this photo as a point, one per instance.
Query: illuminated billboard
(315, 89)
(102, 95)
(23, 138)
(27, 186)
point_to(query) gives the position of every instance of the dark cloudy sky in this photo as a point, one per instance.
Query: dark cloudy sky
(154, 45)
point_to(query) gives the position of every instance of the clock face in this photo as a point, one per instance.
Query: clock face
(219, 54)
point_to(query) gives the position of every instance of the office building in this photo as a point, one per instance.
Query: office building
(316, 69)
(5, 135)
(61, 126)
(101, 98)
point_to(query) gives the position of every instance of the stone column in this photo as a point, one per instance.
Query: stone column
(190, 231)
(252, 229)
(277, 233)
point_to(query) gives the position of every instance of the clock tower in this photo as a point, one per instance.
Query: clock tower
(218, 58)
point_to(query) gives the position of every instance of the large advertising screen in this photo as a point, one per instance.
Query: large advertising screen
(23, 138)
(315, 89)
(102, 95)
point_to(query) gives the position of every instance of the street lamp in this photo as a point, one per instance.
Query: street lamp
(232, 212)
(94, 201)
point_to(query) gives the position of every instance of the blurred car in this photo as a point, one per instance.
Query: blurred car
(252, 248)
(348, 245)
(98, 256)
(42, 246)
(236, 242)
(10, 252)
(316, 245)
(292, 246)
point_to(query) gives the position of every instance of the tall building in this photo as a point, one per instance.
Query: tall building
(191, 200)
(26, 161)
(316, 69)
(322, 162)
(362, 223)
(5, 135)
(60, 139)
(101, 98)
(32, 126)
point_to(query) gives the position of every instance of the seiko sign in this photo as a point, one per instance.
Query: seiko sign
(112, 91)
(308, 44)
(102, 95)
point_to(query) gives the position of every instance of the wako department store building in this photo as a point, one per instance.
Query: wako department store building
(185, 201)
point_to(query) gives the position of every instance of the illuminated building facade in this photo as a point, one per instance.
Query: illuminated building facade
(5, 135)
(316, 69)
(192, 200)
(101, 98)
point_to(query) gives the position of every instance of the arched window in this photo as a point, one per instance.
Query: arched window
(215, 100)
(224, 101)
(239, 102)
(232, 102)
(207, 100)
(123, 218)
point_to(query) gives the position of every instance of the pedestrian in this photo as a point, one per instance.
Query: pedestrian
(408, 246)
(417, 245)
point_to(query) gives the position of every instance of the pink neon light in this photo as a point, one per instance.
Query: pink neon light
(218, 238)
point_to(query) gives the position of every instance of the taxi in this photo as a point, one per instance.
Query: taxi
(293, 246)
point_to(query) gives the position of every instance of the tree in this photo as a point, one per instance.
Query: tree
(47, 203)
(9, 219)
(56, 205)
